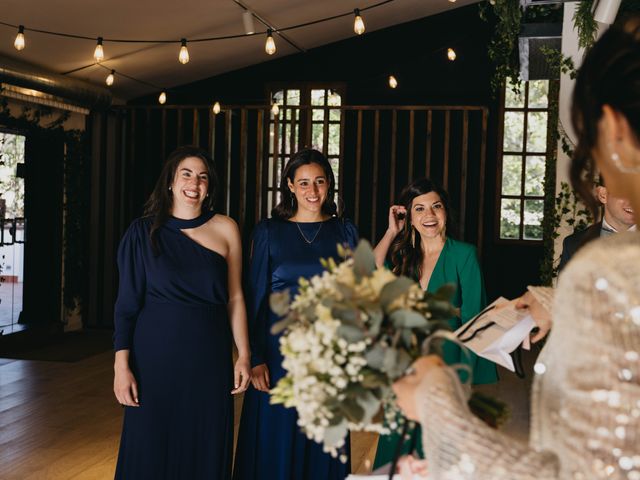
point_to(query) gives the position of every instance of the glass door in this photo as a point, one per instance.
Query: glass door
(12, 152)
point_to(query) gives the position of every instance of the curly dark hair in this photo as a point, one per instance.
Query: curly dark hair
(160, 202)
(609, 75)
(288, 205)
(406, 258)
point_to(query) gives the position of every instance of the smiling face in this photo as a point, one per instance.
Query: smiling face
(310, 186)
(428, 215)
(617, 211)
(190, 185)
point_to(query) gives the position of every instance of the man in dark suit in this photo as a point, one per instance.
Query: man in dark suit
(618, 217)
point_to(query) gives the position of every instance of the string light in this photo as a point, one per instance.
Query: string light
(19, 42)
(110, 78)
(98, 53)
(270, 45)
(216, 108)
(183, 56)
(393, 83)
(275, 109)
(358, 23)
(451, 54)
(162, 99)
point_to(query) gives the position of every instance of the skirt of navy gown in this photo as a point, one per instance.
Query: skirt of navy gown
(172, 315)
(270, 443)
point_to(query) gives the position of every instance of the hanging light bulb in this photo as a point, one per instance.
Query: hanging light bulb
(110, 78)
(358, 23)
(19, 42)
(451, 54)
(393, 83)
(162, 99)
(98, 53)
(270, 45)
(275, 109)
(183, 56)
(216, 108)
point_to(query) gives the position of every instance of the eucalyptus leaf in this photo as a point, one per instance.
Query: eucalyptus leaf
(375, 357)
(352, 410)
(349, 316)
(370, 404)
(446, 292)
(408, 319)
(364, 262)
(400, 365)
(392, 290)
(373, 379)
(350, 333)
(390, 359)
(281, 325)
(335, 433)
(279, 302)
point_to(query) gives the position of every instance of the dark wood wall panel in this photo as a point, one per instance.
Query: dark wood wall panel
(383, 148)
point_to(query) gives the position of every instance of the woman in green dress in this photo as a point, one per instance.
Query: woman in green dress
(417, 245)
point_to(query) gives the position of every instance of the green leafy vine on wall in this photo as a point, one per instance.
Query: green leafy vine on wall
(584, 23)
(76, 204)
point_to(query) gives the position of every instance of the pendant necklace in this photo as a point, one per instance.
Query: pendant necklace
(309, 242)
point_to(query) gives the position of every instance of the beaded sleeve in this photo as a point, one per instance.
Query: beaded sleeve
(586, 397)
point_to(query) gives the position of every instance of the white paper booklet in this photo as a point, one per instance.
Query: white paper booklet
(497, 331)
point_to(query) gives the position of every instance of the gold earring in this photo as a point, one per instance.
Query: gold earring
(413, 237)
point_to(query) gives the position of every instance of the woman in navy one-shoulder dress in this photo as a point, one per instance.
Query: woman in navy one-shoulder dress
(303, 228)
(179, 308)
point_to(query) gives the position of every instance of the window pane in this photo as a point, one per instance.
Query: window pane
(511, 100)
(318, 114)
(538, 93)
(534, 176)
(537, 132)
(334, 139)
(511, 175)
(287, 113)
(513, 131)
(271, 138)
(334, 99)
(533, 212)
(317, 97)
(335, 166)
(510, 218)
(316, 136)
(334, 115)
(278, 97)
(293, 97)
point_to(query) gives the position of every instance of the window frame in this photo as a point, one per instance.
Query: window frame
(552, 94)
(305, 129)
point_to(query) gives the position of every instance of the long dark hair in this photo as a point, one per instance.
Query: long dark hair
(406, 258)
(160, 202)
(609, 75)
(288, 205)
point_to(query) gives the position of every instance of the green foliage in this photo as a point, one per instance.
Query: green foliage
(506, 16)
(557, 61)
(585, 24)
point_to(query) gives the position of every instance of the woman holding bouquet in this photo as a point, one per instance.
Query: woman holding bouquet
(419, 246)
(585, 411)
(305, 227)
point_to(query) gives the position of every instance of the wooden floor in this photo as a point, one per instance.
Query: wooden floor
(60, 421)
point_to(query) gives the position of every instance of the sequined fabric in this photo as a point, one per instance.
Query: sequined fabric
(586, 395)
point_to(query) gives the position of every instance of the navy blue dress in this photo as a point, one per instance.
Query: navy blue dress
(270, 443)
(171, 313)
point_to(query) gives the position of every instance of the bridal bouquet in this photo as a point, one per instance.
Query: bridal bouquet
(348, 334)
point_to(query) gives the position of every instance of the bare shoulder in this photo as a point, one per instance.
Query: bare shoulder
(225, 226)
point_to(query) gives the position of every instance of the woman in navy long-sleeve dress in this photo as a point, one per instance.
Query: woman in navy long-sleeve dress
(179, 304)
(304, 228)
